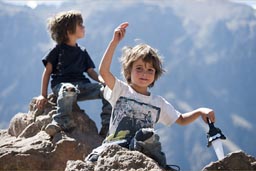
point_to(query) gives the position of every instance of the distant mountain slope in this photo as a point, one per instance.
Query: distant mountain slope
(209, 56)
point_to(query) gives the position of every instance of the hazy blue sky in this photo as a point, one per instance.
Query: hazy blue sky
(35, 3)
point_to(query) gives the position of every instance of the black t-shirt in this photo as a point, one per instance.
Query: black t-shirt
(69, 64)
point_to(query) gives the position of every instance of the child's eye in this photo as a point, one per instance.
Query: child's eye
(139, 69)
(151, 71)
(81, 24)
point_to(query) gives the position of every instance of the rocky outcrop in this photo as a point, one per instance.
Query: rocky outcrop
(233, 161)
(115, 157)
(26, 146)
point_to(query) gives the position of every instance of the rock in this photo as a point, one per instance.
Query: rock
(28, 124)
(26, 146)
(18, 123)
(79, 165)
(115, 157)
(234, 161)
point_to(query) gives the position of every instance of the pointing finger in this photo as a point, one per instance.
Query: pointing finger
(124, 25)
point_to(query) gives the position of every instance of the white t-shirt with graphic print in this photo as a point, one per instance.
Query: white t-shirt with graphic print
(131, 109)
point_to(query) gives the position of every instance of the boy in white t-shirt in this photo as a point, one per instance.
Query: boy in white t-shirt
(134, 107)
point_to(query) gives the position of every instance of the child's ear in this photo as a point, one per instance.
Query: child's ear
(70, 32)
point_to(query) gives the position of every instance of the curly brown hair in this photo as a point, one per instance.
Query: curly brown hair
(62, 23)
(144, 52)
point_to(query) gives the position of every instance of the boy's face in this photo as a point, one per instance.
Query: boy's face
(79, 32)
(142, 74)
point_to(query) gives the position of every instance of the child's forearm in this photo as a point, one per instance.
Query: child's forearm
(188, 117)
(93, 74)
(107, 58)
(105, 64)
(45, 82)
(42, 99)
(119, 34)
(45, 79)
(104, 68)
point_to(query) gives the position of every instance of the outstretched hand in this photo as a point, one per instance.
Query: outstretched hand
(119, 32)
(207, 113)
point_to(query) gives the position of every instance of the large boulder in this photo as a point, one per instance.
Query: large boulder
(26, 146)
(234, 161)
(115, 157)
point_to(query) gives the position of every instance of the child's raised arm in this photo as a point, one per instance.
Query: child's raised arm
(104, 68)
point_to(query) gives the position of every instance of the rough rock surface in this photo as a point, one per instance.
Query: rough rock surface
(233, 161)
(118, 158)
(26, 146)
(115, 157)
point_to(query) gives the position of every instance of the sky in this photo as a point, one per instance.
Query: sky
(34, 3)
(251, 3)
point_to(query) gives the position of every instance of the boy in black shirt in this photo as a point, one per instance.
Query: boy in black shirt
(66, 64)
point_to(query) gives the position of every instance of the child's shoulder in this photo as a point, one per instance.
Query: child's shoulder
(56, 47)
(81, 47)
(158, 98)
(54, 50)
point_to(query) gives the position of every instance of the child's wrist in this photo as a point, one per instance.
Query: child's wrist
(43, 96)
(114, 42)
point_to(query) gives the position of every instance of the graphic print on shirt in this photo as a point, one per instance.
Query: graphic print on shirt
(132, 115)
